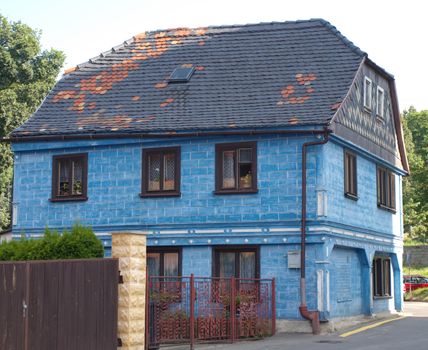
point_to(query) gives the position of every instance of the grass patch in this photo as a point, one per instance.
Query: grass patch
(415, 270)
(420, 294)
(412, 243)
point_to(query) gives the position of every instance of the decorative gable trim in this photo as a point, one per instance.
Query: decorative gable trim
(340, 108)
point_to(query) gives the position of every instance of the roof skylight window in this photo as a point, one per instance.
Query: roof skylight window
(181, 74)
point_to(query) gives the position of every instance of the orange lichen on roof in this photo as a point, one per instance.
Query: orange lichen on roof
(118, 121)
(145, 119)
(135, 98)
(70, 70)
(79, 103)
(146, 47)
(167, 102)
(183, 32)
(64, 95)
(288, 93)
(294, 120)
(199, 68)
(187, 65)
(200, 31)
(201, 43)
(336, 106)
(161, 85)
(92, 105)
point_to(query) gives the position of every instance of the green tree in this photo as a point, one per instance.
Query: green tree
(415, 187)
(26, 75)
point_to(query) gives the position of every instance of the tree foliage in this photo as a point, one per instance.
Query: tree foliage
(26, 75)
(79, 243)
(415, 187)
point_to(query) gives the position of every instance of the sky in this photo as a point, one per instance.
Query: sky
(393, 33)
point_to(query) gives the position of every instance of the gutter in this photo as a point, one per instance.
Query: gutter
(312, 316)
(95, 136)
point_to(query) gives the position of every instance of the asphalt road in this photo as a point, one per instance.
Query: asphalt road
(410, 332)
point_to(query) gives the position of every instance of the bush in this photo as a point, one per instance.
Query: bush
(79, 243)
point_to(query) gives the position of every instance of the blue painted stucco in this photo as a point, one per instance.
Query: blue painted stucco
(114, 182)
(343, 236)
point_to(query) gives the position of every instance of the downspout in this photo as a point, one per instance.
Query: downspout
(312, 316)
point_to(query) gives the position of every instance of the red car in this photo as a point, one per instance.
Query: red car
(412, 282)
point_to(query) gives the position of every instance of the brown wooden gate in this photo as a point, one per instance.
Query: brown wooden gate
(59, 305)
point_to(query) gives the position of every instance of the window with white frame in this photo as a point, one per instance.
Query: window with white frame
(367, 93)
(380, 98)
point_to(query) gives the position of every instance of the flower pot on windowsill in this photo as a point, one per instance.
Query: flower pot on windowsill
(228, 183)
(168, 185)
(245, 182)
(154, 186)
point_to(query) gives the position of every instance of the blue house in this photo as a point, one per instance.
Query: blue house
(254, 151)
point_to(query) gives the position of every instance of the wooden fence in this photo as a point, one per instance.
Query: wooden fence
(59, 305)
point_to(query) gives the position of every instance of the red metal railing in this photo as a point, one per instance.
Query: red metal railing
(195, 309)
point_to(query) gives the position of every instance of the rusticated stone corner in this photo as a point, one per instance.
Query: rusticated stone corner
(130, 249)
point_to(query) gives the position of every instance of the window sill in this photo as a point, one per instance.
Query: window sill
(351, 196)
(249, 191)
(384, 207)
(69, 199)
(382, 297)
(160, 194)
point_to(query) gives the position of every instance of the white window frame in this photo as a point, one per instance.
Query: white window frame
(380, 104)
(369, 81)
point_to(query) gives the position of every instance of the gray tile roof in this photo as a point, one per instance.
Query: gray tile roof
(250, 76)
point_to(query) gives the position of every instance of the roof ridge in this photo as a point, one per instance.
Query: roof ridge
(215, 29)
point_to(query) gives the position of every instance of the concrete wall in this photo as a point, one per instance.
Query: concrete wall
(415, 256)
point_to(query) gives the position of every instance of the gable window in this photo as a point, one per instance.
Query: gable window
(236, 168)
(161, 172)
(69, 177)
(380, 101)
(381, 277)
(350, 172)
(385, 189)
(236, 262)
(164, 262)
(367, 93)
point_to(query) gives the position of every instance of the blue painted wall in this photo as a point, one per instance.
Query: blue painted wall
(114, 182)
(346, 294)
(364, 212)
(197, 260)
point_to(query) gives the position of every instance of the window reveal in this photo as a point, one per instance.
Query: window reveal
(69, 177)
(236, 168)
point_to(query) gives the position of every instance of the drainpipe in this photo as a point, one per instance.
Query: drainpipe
(312, 316)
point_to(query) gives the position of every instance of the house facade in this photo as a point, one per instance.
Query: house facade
(216, 142)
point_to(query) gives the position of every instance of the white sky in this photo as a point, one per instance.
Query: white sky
(394, 33)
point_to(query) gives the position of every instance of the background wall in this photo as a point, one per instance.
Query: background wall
(415, 256)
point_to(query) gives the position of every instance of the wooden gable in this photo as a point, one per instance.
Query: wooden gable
(377, 133)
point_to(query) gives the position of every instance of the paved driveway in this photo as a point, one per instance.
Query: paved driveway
(401, 334)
